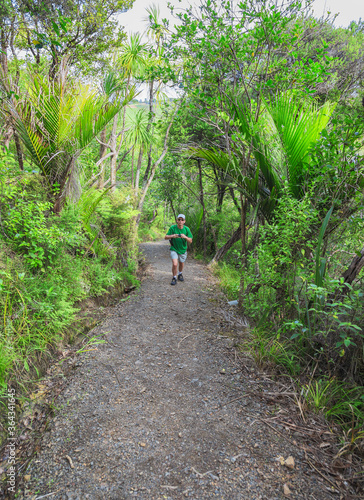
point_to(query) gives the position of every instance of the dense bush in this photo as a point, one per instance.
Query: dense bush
(49, 263)
(301, 312)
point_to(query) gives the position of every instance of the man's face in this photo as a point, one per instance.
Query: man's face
(180, 223)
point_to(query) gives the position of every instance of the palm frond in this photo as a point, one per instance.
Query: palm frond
(299, 127)
(60, 119)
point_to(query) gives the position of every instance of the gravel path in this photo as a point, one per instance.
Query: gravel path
(162, 411)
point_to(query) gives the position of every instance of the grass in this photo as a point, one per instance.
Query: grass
(229, 279)
(273, 352)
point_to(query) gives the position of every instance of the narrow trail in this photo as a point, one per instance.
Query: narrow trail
(161, 410)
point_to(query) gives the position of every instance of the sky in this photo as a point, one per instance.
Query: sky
(133, 20)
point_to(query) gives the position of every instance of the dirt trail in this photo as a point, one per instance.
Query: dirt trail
(162, 411)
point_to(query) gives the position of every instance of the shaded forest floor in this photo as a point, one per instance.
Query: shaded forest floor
(167, 409)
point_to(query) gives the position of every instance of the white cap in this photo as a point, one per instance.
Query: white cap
(181, 216)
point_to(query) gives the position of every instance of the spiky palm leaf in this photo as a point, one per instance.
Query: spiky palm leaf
(59, 120)
(279, 142)
(133, 54)
(298, 127)
(137, 132)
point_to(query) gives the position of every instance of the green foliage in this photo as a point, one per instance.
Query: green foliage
(338, 402)
(85, 34)
(9, 164)
(47, 266)
(294, 321)
(320, 393)
(269, 351)
(280, 138)
(282, 259)
(31, 233)
(151, 231)
(66, 117)
(117, 213)
(229, 279)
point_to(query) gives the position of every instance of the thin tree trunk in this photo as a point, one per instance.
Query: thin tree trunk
(149, 127)
(232, 194)
(132, 166)
(244, 206)
(139, 166)
(203, 208)
(103, 145)
(7, 137)
(64, 186)
(243, 202)
(173, 210)
(224, 249)
(114, 156)
(19, 151)
(102, 153)
(154, 167)
(4, 59)
(120, 163)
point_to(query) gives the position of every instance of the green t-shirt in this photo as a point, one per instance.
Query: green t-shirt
(179, 245)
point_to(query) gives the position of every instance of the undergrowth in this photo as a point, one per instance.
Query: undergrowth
(49, 264)
(305, 321)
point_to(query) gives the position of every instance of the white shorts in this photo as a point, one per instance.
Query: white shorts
(180, 257)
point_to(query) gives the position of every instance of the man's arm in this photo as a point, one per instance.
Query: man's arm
(187, 238)
(169, 236)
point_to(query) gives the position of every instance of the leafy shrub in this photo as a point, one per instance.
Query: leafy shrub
(282, 260)
(32, 233)
(117, 213)
(47, 267)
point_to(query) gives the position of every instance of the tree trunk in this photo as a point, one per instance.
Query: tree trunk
(155, 166)
(149, 127)
(224, 249)
(102, 153)
(139, 166)
(232, 194)
(114, 156)
(4, 59)
(354, 269)
(203, 208)
(243, 202)
(103, 145)
(173, 210)
(349, 275)
(7, 136)
(19, 151)
(132, 166)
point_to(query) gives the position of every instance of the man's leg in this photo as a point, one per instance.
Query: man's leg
(174, 267)
(174, 257)
(181, 260)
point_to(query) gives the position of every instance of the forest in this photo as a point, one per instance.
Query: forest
(261, 146)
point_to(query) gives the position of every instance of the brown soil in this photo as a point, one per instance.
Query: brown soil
(166, 410)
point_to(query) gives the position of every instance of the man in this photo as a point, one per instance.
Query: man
(178, 235)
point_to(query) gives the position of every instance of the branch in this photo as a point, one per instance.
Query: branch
(154, 167)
